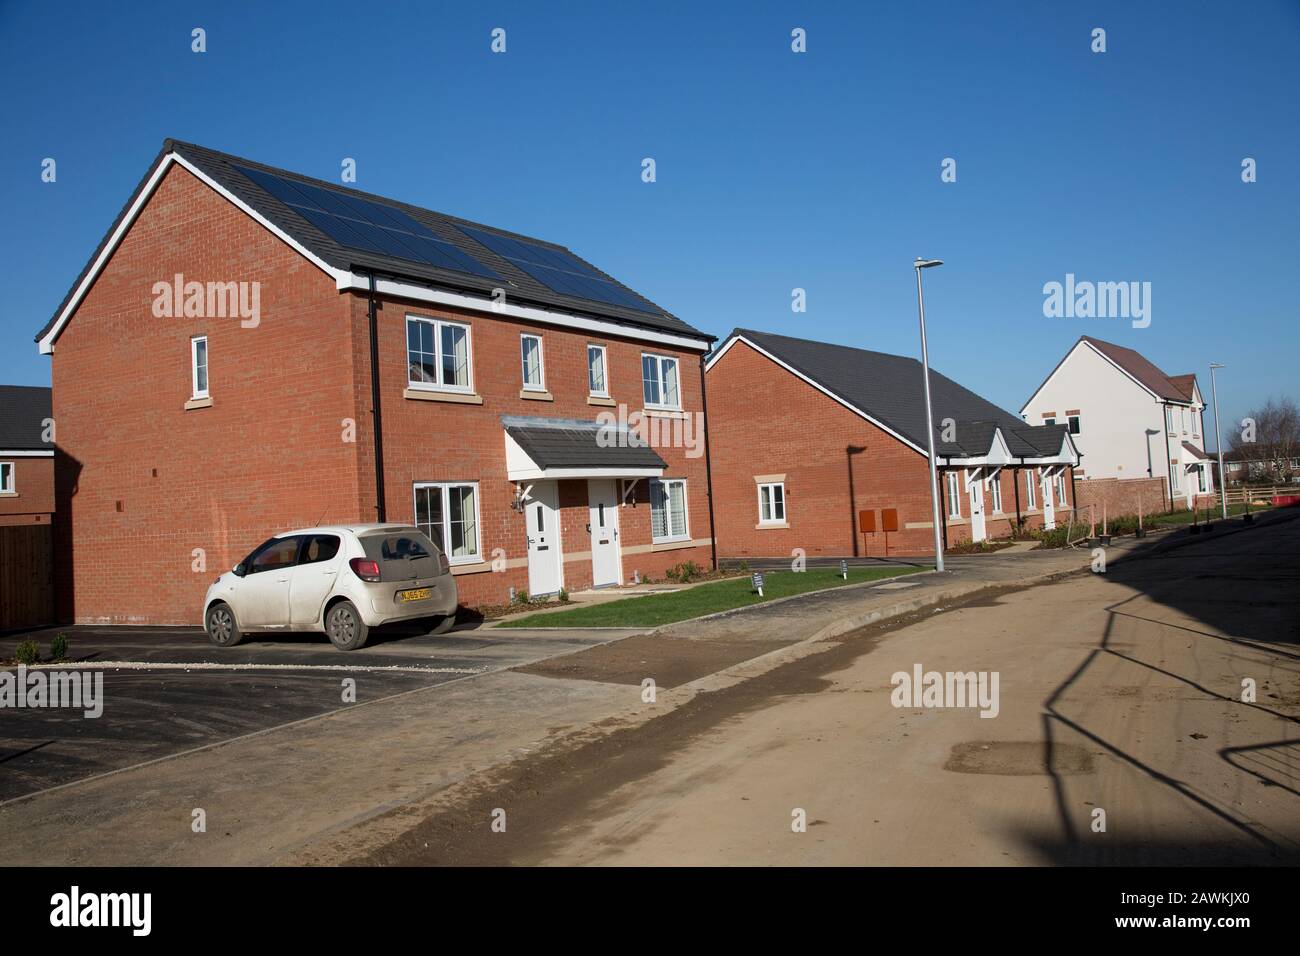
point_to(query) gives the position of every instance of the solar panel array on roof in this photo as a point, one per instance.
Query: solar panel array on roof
(359, 223)
(558, 270)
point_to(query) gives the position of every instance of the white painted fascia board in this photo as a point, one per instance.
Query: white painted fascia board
(47, 341)
(361, 283)
(825, 391)
(26, 453)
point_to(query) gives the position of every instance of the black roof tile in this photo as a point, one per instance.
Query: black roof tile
(23, 411)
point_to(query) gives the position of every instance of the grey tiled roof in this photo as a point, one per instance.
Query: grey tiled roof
(23, 410)
(890, 389)
(563, 443)
(519, 286)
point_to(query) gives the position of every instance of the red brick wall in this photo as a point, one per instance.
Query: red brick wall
(442, 441)
(268, 455)
(34, 486)
(143, 481)
(1122, 496)
(767, 421)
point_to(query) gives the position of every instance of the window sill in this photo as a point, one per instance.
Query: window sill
(600, 400)
(476, 568)
(664, 413)
(536, 394)
(770, 525)
(205, 402)
(672, 544)
(432, 395)
(8, 494)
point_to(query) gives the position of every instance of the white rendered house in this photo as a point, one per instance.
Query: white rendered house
(1128, 418)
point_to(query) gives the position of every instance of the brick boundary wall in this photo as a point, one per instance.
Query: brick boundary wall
(1121, 496)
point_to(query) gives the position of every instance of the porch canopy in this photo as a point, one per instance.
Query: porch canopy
(987, 447)
(540, 449)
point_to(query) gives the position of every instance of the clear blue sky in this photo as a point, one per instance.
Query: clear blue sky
(775, 170)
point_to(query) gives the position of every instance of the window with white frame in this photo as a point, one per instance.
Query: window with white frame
(1176, 468)
(1031, 497)
(1202, 479)
(771, 503)
(1060, 490)
(1049, 421)
(7, 486)
(1169, 419)
(199, 366)
(438, 355)
(659, 381)
(448, 513)
(996, 487)
(668, 510)
(954, 495)
(1074, 424)
(597, 383)
(530, 349)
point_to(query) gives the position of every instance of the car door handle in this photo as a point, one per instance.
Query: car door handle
(281, 580)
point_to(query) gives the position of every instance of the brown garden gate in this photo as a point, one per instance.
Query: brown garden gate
(26, 576)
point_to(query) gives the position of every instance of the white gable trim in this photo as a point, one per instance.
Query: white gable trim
(343, 278)
(825, 391)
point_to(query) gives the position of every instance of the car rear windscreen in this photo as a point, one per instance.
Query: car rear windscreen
(402, 555)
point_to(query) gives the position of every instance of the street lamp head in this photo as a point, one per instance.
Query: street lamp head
(926, 263)
(1217, 365)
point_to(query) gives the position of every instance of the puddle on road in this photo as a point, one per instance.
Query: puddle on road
(1015, 758)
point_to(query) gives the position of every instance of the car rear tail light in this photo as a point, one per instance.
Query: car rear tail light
(365, 569)
(443, 564)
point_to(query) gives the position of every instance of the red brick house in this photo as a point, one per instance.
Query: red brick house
(250, 350)
(822, 448)
(26, 455)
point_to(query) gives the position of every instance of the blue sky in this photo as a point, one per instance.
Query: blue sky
(775, 170)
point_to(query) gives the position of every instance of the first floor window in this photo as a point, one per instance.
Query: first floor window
(531, 350)
(437, 354)
(659, 381)
(1074, 424)
(1049, 421)
(199, 366)
(668, 509)
(771, 503)
(954, 495)
(448, 513)
(6, 478)
(996, 486)
(596, 383)
(1030, 498)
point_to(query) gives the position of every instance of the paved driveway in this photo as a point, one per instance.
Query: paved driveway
(167, 690)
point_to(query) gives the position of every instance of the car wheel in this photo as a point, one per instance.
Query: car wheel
(223, 629)
(345, 628)
(441, 625)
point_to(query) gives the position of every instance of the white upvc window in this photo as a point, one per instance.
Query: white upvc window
(1031, 496)
(1060, 491)
(597, 377)
(1176, 468)
(439, 355)
(1202, 479)
(954, 494)
(996, 487)
(668, 510)
(534, 368)
(448, 512)
(7, 478)
(771, 503)
(659, 382)
(199, 366)
(1073, 421)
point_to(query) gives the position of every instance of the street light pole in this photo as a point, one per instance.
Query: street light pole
(1218, 442)
(920, 264)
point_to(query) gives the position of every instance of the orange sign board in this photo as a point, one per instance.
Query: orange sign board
(867, 522)
(889, 519)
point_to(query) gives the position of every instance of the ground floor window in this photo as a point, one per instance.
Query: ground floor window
(1202, 479)
(1060, 489)
(1030, 497)
(668, 509)
(771, 503)
(7, 477)
(996, 487)
(1176, 469)
(448, 512)
(954, 494)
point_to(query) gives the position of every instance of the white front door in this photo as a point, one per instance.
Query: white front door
(1049, 510)
(542, 514)
(606, 566)
(976, 486)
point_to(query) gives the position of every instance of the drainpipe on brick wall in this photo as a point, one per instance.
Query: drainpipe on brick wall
(1074, 493)
(708, 467)
(1015, 486)
(1165, 421)
(943, 506)
(381, 512)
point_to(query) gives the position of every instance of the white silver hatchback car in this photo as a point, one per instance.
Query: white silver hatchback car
(342, 580)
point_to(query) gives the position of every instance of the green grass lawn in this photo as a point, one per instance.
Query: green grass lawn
(654, 609)
(1185, 517)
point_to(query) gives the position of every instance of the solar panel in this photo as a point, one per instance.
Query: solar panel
(558, 270)
(358, 223)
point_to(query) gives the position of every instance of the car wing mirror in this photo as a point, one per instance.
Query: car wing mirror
(240, 570)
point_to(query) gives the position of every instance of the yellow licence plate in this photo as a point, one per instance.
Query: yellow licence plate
(415, 594)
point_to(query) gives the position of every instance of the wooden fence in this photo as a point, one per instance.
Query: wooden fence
(26, 576)
(1257, 493)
